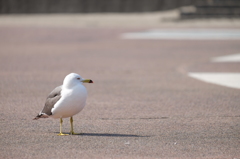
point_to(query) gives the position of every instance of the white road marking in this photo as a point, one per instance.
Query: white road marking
(186, 34)
(227, 58)
(224, 79)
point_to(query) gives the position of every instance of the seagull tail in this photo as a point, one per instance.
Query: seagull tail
(41, 115)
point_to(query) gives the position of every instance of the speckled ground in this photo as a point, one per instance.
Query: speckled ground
(142, 103)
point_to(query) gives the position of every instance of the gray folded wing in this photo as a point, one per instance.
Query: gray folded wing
(51, 100)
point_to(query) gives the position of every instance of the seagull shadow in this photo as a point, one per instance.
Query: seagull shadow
(107, 135)
(111, 135)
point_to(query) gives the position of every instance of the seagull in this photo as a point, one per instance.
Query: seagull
(66, 100)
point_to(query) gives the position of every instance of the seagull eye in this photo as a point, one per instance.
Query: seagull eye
(78, 78)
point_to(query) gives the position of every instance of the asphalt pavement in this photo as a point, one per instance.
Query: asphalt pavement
(142, 104)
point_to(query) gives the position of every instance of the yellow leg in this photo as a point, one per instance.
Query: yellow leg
(60, 134)
(71, 131)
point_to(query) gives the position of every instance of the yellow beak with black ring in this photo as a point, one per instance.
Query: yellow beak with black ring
(87, 81)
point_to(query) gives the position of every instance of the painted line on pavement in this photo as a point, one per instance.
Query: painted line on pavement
(231, 80)
(227, 58)
(185, 34)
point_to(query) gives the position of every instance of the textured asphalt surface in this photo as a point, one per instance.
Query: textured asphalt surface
(142, 103)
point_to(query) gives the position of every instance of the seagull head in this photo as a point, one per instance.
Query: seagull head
(73, 79)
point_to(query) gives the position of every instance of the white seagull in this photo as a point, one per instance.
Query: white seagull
(66, 100)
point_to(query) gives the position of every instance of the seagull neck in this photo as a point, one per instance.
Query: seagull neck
(68, 86)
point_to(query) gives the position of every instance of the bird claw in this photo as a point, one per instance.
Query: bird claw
(61, 134)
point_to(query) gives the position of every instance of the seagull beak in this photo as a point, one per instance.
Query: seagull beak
(87, 81)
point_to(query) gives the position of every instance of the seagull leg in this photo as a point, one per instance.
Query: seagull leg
(71, 131)
(61, 134)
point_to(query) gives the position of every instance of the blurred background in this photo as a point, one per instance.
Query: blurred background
(137, 13)
(195, 9)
